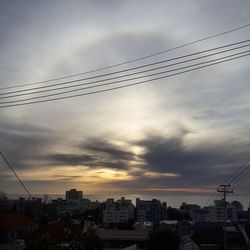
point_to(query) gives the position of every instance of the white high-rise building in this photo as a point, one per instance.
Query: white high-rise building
(150, 211)
(217, 212)
(118, 211)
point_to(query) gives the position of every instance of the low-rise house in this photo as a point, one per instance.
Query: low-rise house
(211, 237)
(118, 239)
(14, 227)
(58, 230)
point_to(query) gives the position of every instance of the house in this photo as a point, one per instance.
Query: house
(211, 237)
(14, 227)
(57, 230)
(119, 239)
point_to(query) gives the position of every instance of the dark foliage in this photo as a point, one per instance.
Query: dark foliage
(164, 239)
(87, 241)
(175, 214)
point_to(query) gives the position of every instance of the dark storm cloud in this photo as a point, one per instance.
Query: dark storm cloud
(70, 159)
(198, 183)
(92, 161)
(23, 143)
(100, 147)
(97, 154)
(28, 146)
(206, 163)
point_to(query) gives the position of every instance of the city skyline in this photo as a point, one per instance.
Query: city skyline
(179, 136)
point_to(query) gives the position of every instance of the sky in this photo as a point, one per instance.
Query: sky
(178, 136)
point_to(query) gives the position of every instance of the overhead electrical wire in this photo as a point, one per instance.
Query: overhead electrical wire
(123, 86)
(24, 186)
(124, 80)
(133, 60)
(16, 175)
(48, 88)
(239, 174)
(215, 194)
(241, 177)
(242, 180)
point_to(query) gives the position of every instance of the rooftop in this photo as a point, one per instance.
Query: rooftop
(14, 220)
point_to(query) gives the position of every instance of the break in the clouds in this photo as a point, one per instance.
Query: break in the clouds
(182, 134)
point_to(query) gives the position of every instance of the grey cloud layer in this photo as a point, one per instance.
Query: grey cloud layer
(47, 39)
(202, 165)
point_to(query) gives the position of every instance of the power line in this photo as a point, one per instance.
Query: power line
(242, 181)
(124, 80)
(8, 94)
(24, 186)
(133, 60)
(240, 174)
(226, 189)
(232, 176)
(243, 178)
(230, 179)
(215, 194)
(123, 86)
(12, 169)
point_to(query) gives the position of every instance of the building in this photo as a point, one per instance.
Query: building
(153, 211)
(237, 206)
(249, 214)
(195, 212)
(211, 236)
(31, 207)
(217, 212)
(73, 194)
(119, 239)
(6, 204)
(14, 227)
(188, 207)
(117, 211)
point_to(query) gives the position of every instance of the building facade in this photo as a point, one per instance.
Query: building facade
(153, 211)
(217, 212)
(117, 211)
(73, 194)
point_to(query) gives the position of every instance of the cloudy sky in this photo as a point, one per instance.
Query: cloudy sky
(176, 136)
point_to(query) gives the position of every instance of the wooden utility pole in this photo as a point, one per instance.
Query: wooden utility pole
(225, 189)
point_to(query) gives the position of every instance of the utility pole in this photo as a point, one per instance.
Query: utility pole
(225, 189)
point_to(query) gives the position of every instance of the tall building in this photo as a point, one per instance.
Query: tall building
(217, 212)
(195, 212)
(237, 205)
(153, 211)
(118, 211)
(73, 194)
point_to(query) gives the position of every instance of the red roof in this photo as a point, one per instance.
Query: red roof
(14, 220)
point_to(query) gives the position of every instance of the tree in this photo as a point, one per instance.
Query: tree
(44, 243)
(84, 241)
(164, 239)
